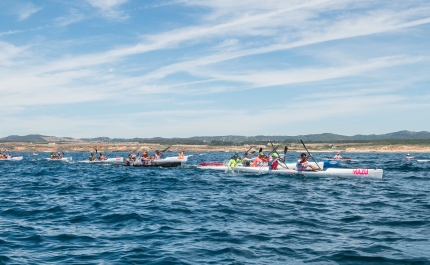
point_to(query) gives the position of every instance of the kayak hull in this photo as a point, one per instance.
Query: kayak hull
(290, 165)
(106, 161)
(330, 172)
(16, 158)
(158, 164)
(423, 161)
(60, 159)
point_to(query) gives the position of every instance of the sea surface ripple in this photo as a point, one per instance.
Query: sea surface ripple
(74, 213)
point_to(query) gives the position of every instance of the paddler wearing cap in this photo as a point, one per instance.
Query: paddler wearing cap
(337, 156)
(273, 162)
(259, 160)
(246, 160)
(233, 162)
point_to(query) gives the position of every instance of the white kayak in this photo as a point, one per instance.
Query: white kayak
(168, 161)
(330, 172)
(15, 158)
(108, 160)
(60, 159)
(423, 161)
(176, 159)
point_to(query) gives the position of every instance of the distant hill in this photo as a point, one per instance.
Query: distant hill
(229, 139)
(37, 138)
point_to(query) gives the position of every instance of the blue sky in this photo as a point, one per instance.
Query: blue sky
(181, 68)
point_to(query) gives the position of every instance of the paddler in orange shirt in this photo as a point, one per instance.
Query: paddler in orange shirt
(259, 160)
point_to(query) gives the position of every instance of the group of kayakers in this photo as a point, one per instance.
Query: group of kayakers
(56, 156)
(100, 157)
(145, 158)
(273, 161)
(4, 156)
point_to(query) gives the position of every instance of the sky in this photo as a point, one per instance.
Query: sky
(182, 68)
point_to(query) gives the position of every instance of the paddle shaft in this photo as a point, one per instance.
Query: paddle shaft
(310, 154)
(285, 153)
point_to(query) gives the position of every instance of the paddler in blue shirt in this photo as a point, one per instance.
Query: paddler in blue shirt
(233, 162)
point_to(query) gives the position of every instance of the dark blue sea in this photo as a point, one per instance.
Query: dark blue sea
(74, 213)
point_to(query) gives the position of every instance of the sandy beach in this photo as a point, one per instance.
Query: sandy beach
(139, 147)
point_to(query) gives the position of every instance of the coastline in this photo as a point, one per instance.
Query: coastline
(140, 147)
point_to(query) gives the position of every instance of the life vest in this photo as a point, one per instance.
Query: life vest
(273, 164)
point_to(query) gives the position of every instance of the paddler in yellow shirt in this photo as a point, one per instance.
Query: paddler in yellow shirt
(233, 162)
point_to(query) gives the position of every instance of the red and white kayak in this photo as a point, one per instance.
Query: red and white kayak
(108, 160)
(329, 172)
(14, 158)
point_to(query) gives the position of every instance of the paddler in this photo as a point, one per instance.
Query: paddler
(181, 155)
(259, 160)
(409, 157)
(337, 156)
(303, 164)
(52, 156)
(246, 161)
(273, 162)
(58, 155)
(128, 160)
(102, 157)
(145, 159)
(157, 155)
(233, 162)
(92, 157)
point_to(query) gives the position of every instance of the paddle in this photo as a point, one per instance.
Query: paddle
(165, 149)
(248, 150)
(285, 153)
(310, 154)
(274, 150)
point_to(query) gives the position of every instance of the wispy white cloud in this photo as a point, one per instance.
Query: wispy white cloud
(109, 8)
(219, 53)
(73, 16)
(26, 10)
(10, 32)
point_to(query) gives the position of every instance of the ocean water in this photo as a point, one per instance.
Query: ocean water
(72, 213)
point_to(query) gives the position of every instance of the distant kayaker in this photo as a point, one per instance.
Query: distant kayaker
(303, 164)
(157, 155)
(409, 157)
(233, 162)
(337, 156)
(259, 160)
(273, 162)
(92, 157)
(145, 159)
(128, 160)
(246, 161)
